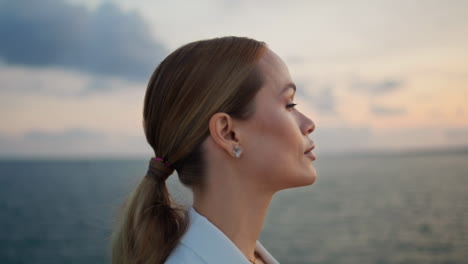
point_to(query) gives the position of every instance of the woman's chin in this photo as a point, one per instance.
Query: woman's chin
(310, 176)
(305, 179)
(310, 179)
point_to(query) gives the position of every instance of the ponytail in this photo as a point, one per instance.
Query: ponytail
(154, 223)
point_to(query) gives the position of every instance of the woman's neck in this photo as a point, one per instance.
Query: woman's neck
(235, 208)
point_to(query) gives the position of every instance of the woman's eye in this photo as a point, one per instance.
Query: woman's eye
(291, 105)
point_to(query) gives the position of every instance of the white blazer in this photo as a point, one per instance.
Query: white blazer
(204, 243)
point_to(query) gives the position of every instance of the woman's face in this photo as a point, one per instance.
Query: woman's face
(275, 138)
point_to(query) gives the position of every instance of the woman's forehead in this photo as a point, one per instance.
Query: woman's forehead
(275, 71)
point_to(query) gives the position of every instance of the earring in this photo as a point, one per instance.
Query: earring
(237, 151)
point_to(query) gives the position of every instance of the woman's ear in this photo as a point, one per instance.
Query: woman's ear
(223, 132)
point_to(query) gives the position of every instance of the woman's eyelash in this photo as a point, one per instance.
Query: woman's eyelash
(290, 105)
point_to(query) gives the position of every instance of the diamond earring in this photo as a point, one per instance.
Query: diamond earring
(237, 151)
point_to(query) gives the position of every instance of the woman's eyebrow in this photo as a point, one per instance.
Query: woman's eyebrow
(289, 86)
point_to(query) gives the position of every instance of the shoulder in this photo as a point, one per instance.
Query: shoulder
(183, 254)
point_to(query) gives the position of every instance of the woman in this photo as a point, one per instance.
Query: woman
(220, 112)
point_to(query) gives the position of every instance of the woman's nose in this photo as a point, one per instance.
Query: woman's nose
(309, 125)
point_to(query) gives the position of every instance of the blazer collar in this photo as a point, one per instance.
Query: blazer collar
(213, 246)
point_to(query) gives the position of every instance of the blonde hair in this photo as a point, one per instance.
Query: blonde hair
(191, 84)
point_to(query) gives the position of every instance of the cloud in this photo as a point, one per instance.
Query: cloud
(17, 81)
(37, 142)
(320, 97)
(457, 133)
(358, 138)
(377, 87)
(293, 59)
(53, 33)
(73, 142)
(420, 137)
(75, 135)
(386, 110)
(336, 139)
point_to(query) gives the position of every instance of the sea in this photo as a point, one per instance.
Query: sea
(379, 208)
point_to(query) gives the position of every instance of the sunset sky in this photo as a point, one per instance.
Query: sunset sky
(372, 75)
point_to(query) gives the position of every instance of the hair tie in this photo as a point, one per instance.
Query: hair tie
(158, 173)
(164, 161)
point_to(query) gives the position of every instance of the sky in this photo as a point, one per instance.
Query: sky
(372, 75)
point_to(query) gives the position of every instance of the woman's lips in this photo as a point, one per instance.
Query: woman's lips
(310, 155)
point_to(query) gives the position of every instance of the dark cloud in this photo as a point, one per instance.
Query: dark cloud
(105, 41)
(377, 88)
(386, 110)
